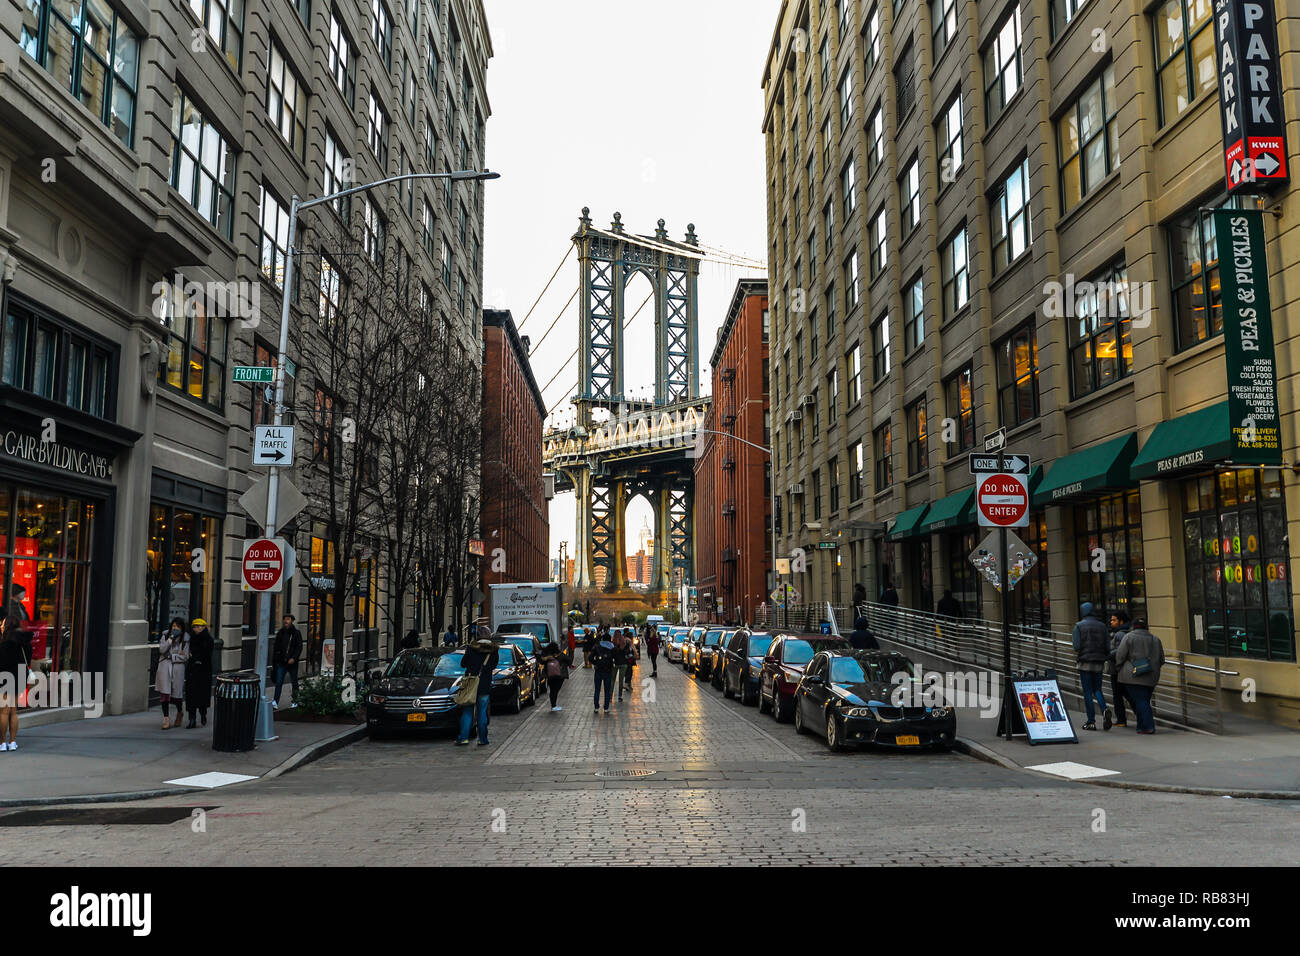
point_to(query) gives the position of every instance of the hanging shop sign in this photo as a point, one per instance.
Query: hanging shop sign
(1250, 95)
(1248, 338)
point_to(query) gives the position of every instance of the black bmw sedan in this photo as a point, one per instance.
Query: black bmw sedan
(847, 697)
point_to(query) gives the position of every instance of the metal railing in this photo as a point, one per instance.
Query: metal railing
(1189, 692)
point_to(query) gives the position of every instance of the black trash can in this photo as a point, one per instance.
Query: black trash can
(235, 702)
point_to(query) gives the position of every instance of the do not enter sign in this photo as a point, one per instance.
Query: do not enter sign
(263, 567)
(1002, 500)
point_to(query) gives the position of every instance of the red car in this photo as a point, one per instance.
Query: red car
(783, 668)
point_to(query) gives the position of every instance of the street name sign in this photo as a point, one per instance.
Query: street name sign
(255, 374)
(273, 445)
(264, 564)
(1002, 500)
(989, 465)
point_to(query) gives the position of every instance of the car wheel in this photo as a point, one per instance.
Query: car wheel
(516, 706)
(532, 694)
(799, 728)
(764, 704)
(726, 688)
(780, 713)
(746, 697)
(833, 734)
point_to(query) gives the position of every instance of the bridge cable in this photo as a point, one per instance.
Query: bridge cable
(574, 353)
(567, 252)
(533, 347)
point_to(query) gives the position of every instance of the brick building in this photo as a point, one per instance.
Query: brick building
(515, 515)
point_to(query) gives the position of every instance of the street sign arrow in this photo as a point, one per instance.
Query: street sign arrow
(1236, 170)
(273, 445)
(981, 464)
(1267, 164)
(996, 441)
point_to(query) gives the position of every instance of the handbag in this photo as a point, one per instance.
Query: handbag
(31, 679)
(1141, 666)
(554, 668)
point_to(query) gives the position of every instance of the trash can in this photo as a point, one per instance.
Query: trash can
(235, 702)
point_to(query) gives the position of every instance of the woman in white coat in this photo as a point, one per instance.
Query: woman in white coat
(173, 652)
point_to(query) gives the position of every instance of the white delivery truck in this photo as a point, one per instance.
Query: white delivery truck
(536, 609)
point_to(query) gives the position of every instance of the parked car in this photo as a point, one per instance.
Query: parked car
(416, 692)
(742, 664)
(709, 652)
(846, 696)
(783, 669)
(675, 651)
(532, 650)
(514, 682)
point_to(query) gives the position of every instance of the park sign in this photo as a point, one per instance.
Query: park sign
(1248, 338)
(1250, 95)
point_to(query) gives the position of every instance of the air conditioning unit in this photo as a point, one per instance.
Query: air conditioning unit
(796, 415)
(808, 400)
(796, 489)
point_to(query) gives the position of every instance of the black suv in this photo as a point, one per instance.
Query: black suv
(743, 664)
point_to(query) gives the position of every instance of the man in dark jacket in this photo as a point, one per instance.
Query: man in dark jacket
(285, 656)
(948, 605)
(890, 595)
(1119, 627)
(198, 672)
(480, 660)
(412, 640)
(1091, 643)
(862, 639)
(604, 657)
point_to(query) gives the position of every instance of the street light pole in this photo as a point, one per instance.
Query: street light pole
(265, 718)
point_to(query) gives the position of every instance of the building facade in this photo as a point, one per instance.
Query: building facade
(995, 215)
(733, 478)
(143, 228)
(516, 526)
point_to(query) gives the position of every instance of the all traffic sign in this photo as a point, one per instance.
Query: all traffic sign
(263, 565)
(1002, 500)
(273, 445)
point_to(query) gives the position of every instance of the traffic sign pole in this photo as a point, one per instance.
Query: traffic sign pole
(1006, 613)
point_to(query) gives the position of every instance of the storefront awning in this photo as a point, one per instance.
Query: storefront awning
(1093, 469)
(1188, 441)
(950, 512)
(907, 524)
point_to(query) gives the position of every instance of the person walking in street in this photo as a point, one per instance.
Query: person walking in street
(198, 672)
(652, 648)
(411, 641)
(629, 649)
(1138, 660)
(602, 659)
(449, 638)
(1091, 643)
(948, 605)
(173, 652)
(1119, 627)
(572, 644)
(13, 660)
(890, 595)
(862, 639)
(479, 660)
(591, 637)
(556, 666)
(285, 656)
(620, 642)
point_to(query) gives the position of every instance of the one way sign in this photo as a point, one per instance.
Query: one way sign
(273, 445)
(987, 464)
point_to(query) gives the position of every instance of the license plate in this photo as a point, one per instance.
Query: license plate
(416, 718)
(901, 741)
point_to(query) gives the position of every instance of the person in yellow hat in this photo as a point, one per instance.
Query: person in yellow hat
(198, 672)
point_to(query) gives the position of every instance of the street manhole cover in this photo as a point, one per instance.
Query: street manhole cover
(620, 774)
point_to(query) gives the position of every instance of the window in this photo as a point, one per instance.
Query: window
(849, 188)
(949, 137)
(959, 395)
(408, 89)
(331, 292)
(851, 282)
(286, 102)
(913, 317)
(1017, 364)
(377, 131)
(876, 235)
(430, 143)
(323, 437)
(224, 20)
(909, 196)
(71, 39)
(875, 140)
(833, 473)
(50, 358)
(808, 104)
(373, 230)
(444, 257)
(1113, 524)
(196, 346)
(846, 99)
(817, 493)
(1063, 11)
(883, 444)
(824, 58)
(343, 60)
(273, 229)
(338, 174)
(202, 163)
(767, 326)
(828, 224)
(871, 38)
(1101, 351)
(1238, 571)
(1194, 255)
(812, 254)
(432, 65)
(1009, 210)
(382, 31)
(1002, 66)
(1184, 54)
(304, 10)
(954, 267)
(853, 369)
(407, 187)
(881, 360)
(944, 15)
(826, 145)
(918, 449)
(857, 472)
(905, 81)
(460, 292)
(832, 396)
(844, 15)
(1087, 139)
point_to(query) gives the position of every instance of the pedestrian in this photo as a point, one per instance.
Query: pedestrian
(13, 659)
(1091, 643)
(449, 638)
(652, 648)
(198, 672)
(572, 644)
(1119, 626)
(1139, 657)
(948, 605)
(412, 640)
(556, 666)
(173, 652)
(859, 593)
(862, 639)
(589, 641)
(889, 596)
(601, 658)
(630, 649)
(285, 656)
(620, 661)
(479, 660)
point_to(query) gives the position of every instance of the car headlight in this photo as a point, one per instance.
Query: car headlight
(856, 711)
(376, 699)
(939, 711)
(508, 672)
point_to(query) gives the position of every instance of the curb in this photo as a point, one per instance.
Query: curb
(980, 752)
(303, 757)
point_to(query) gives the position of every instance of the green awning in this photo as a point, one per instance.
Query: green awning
(950, 512)
(1188, 441)
(906, 524)
(1093, 469)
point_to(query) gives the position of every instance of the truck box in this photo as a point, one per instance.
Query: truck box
(529, 608)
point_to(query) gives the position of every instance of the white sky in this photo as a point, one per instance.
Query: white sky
(653, 110)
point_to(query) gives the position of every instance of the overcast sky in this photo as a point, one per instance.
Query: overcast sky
(653, 110)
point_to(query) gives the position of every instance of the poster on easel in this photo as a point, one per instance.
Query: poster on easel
(1042, 708)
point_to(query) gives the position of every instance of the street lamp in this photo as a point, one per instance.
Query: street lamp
(265, 719)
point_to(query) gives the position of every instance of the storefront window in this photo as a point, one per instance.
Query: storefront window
(184, 558)
(320, 599)
(963, 579)
(1112, 524)
(1031, 600)
(1238, 575)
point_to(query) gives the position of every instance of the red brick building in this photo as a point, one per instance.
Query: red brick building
(515, 514)
(733, 532)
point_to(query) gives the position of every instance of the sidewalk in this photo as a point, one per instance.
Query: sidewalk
(132, 757)
(1251, 758)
